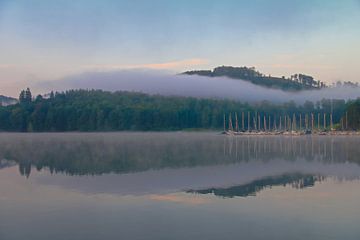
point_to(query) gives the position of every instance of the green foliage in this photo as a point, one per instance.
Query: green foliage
(96, 110)
(353, 111)
(295, 82)
(25, 96)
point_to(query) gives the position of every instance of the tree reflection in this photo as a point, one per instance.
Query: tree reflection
(100, 153)
(296, 180)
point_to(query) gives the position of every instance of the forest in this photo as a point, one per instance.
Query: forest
(97, 110)
(295, 82)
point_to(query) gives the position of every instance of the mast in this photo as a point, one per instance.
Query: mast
(224, 123)
(300, 122)
(324, 120)
(312, 121)
(230, 123)
(294, 122)
(346, 121)
(242, 121)
(331, 122)
(259, 122)
(254, 122)
(264, 123)
(331, 112)
(236, 123)
(275, 122)
(280, 128)
(248, 123)
(269, 123)
(289, 122)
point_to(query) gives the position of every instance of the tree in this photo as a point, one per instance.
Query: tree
(28, 96)
(22, 97)
(25, 96)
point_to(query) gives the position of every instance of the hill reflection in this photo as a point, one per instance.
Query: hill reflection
(296, 180)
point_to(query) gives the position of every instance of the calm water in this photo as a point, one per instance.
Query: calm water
(178, 186)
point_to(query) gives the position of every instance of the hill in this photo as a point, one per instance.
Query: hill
(296, 82)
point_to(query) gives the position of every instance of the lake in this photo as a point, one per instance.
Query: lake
(178, 185)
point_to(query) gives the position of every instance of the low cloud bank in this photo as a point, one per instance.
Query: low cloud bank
(164, 83)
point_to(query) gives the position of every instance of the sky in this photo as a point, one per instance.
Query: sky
(48, 40)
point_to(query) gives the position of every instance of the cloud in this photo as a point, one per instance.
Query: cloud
(160, 82)
(185, 199)
(164, 65)
(300, 67)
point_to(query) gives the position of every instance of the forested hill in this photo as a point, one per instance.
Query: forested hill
(7, 100)
(295, 83)
(96, 110)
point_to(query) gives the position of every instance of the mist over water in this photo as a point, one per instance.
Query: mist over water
(132, 184)
(166, 83)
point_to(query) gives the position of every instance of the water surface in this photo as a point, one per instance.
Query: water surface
(178, 186)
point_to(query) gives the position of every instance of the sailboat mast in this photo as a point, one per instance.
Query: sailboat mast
(331, 121)
(346, 121)
(294, 122)
(275, 122)
(236, 123)
(312, 121)
(224, 123)
(230, 123)
(242, 122)
(280, 128)
(264, 122)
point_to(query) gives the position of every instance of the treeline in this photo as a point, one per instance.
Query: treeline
(96, 110)
(295, 83)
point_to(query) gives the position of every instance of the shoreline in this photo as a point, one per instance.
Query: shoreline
(292, 133)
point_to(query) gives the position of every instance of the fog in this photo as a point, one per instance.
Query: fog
(166, 83)
(138, 163)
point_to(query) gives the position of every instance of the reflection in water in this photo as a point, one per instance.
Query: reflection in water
(146, 185)
(6, 163)
(296, 180)
(163, 163)
(100, 153)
